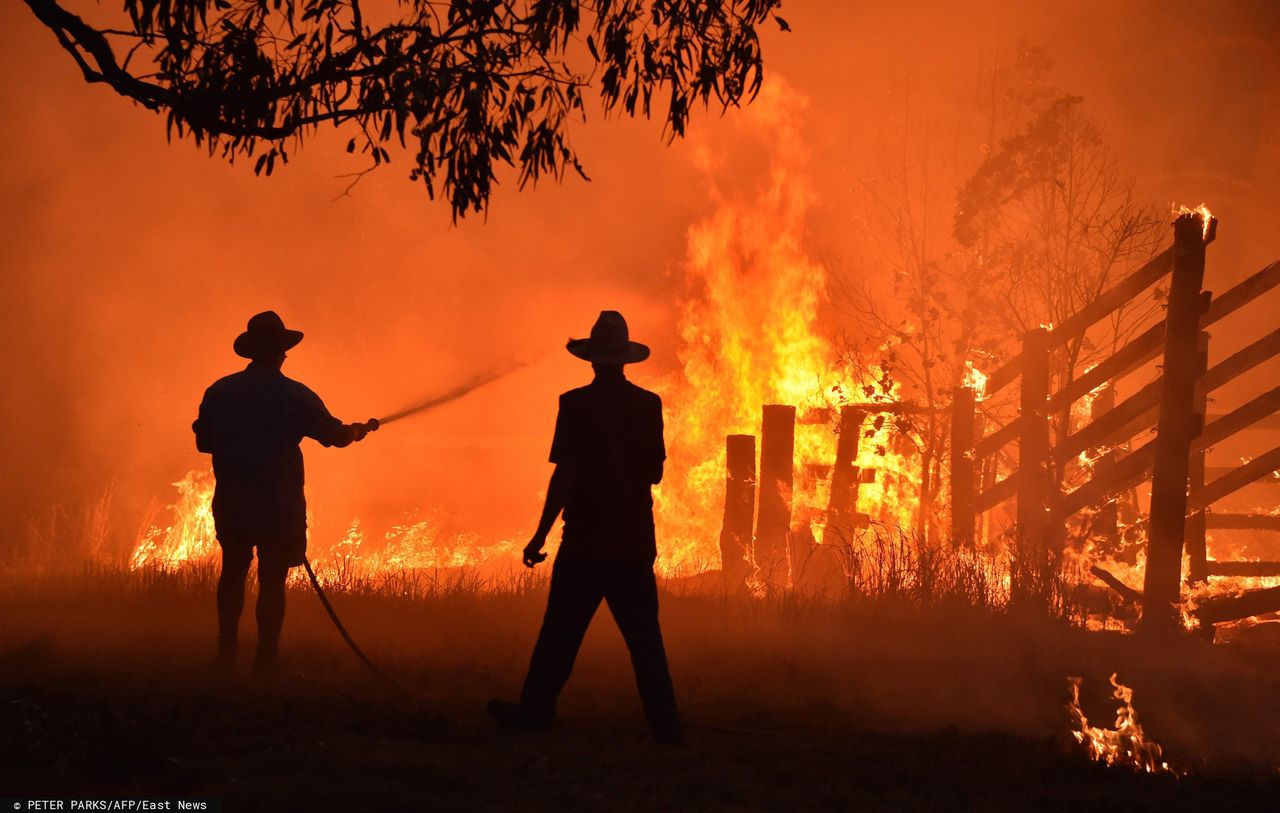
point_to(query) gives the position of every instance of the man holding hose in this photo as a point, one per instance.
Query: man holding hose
(252, 422)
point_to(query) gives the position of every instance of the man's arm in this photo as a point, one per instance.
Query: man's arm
(203, 428)
(563, 479)
(658, 451)
(320, 425)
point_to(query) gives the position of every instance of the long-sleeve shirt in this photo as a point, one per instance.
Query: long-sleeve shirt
(252, 422)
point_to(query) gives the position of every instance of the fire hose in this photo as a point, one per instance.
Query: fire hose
(351, 642)
(373, 425)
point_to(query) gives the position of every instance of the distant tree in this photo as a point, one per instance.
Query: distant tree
(912, 338)
(472, 83)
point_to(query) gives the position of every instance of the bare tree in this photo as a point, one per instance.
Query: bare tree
(914, 342)
(1053, 223)
(1040, 229)
(472, 83)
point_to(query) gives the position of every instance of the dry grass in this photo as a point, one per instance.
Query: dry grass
(915, 689)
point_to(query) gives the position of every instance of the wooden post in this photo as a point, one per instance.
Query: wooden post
(988, 470)
(963, 421)
(1197, 548)
(1031, 565)
(739, 507)
(1106, 523)
(1175, 430)
(777, 475)
(845, 475)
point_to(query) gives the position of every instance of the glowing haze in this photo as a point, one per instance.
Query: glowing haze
(130, 264)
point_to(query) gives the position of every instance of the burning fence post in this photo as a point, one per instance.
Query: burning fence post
(1197, 547)
(845, 475)
(739, 507)
(1176, 427)
(1031, 564)
(777, 475)
(963, 422)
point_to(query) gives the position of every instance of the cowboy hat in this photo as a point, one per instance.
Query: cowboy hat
(266, 336)
(609, 342)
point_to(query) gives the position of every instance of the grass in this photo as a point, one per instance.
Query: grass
(878, 701)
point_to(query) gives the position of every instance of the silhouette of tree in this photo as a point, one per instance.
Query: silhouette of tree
(470, 83)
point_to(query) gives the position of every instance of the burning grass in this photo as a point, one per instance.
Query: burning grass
(1126, 744)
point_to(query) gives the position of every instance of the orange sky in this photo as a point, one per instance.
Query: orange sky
(129, 264)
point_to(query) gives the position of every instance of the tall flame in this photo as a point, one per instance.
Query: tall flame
(751, 335)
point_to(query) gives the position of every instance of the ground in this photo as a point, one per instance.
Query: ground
(108, 689)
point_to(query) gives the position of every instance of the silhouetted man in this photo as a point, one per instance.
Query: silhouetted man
(252, 422)
(608, 453)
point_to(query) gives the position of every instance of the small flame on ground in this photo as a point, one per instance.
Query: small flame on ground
(1126, 744)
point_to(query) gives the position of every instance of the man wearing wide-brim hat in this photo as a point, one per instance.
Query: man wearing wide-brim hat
(608, 452)
(252, 422)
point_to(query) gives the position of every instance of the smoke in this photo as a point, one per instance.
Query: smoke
(130, 264)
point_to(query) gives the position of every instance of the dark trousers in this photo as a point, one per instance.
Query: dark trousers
(236, 560)
(577, 587)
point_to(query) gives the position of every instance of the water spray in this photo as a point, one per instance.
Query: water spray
(452, 395)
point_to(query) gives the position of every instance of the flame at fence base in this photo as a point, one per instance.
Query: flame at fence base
(1124, 745)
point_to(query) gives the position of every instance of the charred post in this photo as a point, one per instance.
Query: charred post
(963, 475)
(739, 507)
(777, 476)
(1197, 549)
(845, 475)
(1034, 483)
(1176, 428)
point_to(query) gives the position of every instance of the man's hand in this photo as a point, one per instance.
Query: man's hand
(362, 429)
(533, 551)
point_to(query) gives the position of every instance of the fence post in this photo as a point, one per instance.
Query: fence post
(1031, 560)
(1106, 523)
(845, 475)
(963, 421)
(777, 477)
(1197, 549)
(739, 507)
(1176, 428)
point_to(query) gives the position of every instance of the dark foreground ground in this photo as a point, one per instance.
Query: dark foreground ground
(106, 689)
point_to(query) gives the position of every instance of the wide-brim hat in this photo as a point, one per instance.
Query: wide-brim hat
(265, 336)
(609, 343)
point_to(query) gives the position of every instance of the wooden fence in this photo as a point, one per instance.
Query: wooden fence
(1174, 404)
